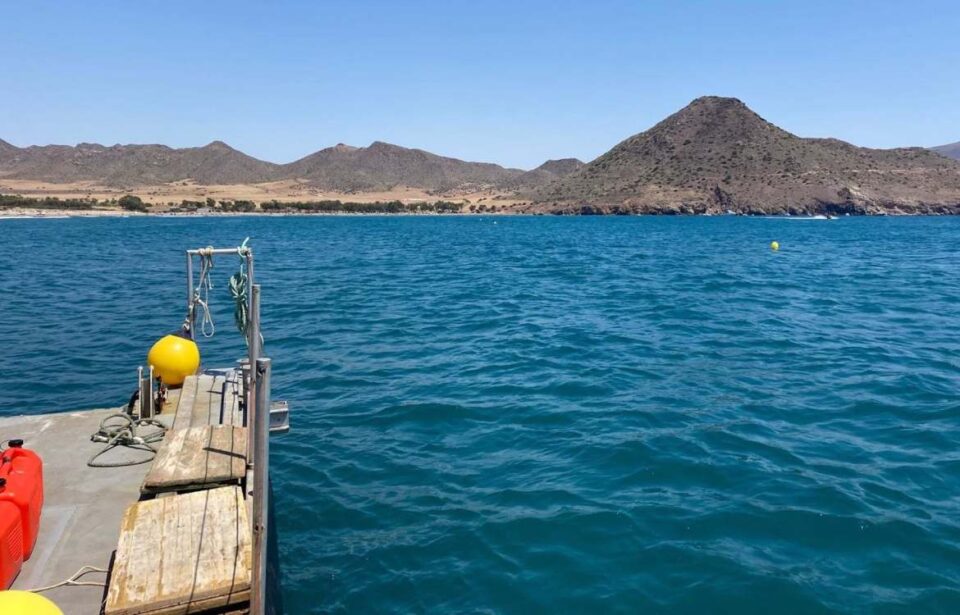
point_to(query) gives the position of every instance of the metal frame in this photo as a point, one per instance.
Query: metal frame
(256, 418)
(261, 488)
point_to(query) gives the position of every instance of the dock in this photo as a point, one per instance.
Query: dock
(83, 506)
(178, 529)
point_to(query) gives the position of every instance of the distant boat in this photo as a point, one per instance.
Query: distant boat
(798, 218)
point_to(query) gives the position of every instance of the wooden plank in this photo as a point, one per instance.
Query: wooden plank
(203, 401)
(188, 392)
(182, 554)
(209, 396)
(205, 455)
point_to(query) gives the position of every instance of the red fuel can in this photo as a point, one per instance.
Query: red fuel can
(11, 544)
(21, 472)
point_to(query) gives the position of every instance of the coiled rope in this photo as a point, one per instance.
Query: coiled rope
(123, 430)
(240, 291)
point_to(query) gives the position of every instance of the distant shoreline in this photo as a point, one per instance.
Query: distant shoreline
(40, 214)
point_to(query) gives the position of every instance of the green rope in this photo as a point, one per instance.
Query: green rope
(240, 291)
(239, 286)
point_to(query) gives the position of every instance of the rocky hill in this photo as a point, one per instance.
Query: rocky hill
(713, 156)
(546, 173)
(382, 166)
(950, 151)
(134, 165)
(716, 155)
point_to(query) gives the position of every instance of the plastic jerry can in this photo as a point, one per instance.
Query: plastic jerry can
(11, 544)
(21, 471)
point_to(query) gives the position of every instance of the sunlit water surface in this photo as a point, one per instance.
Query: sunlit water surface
(550, 415)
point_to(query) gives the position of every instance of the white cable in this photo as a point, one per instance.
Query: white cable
(72, 581)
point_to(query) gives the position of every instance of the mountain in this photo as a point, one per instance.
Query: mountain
(717, 155)
(950, 151)
(135, 165)
(382, 166)
(546, 173)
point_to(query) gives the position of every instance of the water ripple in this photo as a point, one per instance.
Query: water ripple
(557, 415)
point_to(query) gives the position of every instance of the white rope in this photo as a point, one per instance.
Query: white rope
(201, 294)
(239, 286)
(72, 581)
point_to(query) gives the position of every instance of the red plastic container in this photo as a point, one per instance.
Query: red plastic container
(11, 544)
(22, 470)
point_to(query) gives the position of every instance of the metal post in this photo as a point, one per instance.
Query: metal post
(139, 392)
(260, 434)
(151, 398)
(253, 397)
(190, 291)
(254, 310)
(253, 322)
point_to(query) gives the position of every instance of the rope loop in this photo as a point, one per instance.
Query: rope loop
(239, 287)
(123, 430)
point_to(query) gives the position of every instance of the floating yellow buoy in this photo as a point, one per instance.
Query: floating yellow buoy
(15, 602)
(774, 245)
(174, 357)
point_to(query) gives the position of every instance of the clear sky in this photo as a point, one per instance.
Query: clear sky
(508, 82)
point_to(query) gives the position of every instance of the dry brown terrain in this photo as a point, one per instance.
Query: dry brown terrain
(713, 156)
(283, 191)
(716, 155)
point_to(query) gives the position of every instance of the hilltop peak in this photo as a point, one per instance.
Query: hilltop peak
(715, 108)
(717, 101)
(561, 166)
(343, 147)
(384, 146)
(218, 145)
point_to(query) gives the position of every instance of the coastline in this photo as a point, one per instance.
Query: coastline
(46, 214)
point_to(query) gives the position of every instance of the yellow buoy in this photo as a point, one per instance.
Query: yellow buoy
(774, 245)
(15, 602)
(174, 357)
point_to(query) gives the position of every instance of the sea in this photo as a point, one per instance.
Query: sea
(507, 414)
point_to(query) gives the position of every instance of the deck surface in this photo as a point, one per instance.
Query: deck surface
(203, 536)
(82, 507)
(208, 399)
(198, 456)
(181, 554)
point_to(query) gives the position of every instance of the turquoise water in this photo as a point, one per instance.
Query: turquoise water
(520, 415)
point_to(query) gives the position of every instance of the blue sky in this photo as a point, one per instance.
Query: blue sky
(507, 82)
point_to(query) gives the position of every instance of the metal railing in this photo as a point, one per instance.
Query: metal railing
(261, 487)
(257, 404)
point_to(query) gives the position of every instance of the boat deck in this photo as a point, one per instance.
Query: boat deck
(181, 520)
(83, 506)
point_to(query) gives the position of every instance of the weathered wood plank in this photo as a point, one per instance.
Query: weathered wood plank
(182, 554)
(209, 396)
(204, 455)
(188, 392)
(206, 399)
